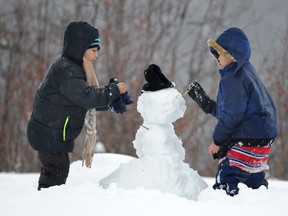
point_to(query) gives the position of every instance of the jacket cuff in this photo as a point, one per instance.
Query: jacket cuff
(217, 143)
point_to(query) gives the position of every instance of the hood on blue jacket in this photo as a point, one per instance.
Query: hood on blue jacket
(78, 37)
(232, 43)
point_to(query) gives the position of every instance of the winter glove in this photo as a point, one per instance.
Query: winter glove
(224, 148)
(119, 105)
(198, 94)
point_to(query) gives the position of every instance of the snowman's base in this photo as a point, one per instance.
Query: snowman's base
(166, 174)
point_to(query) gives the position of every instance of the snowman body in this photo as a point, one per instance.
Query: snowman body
(160, 152)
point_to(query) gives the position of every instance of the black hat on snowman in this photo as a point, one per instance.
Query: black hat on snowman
(155, 79)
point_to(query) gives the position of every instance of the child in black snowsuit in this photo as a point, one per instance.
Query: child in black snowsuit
(62, 100)
(247, 122)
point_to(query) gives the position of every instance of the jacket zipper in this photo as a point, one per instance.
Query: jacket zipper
(65, 128)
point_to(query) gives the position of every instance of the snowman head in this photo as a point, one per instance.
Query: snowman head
(161, 107)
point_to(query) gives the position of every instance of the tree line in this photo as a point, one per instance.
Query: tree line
(133, 34)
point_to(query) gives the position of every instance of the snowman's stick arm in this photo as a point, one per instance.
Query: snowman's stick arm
(130, 117)
(136, 120)
(184, 92)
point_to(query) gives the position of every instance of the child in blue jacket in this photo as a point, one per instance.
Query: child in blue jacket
(247, 122)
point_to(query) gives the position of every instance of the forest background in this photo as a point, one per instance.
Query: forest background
(134, 34)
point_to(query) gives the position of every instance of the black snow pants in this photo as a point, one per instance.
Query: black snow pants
(54, 170)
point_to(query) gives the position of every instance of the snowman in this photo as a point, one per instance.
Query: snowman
(159, 165)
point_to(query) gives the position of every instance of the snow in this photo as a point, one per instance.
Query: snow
(82, 195)
(157, 182)
(160, 152)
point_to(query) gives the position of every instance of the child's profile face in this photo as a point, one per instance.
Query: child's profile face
(223, 61)
(91, 54)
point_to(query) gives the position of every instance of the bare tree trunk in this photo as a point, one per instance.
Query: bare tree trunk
(133, 35)
(279, 160)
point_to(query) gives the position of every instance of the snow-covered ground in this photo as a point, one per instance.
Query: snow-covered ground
(82, 195)
(157, 183)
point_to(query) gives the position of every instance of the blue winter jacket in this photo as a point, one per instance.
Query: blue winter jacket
(244, 108)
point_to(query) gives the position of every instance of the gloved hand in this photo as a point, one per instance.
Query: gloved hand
(119, 105)
(198, 94)
(222, 152)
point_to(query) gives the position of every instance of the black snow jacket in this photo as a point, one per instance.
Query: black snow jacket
(64, 96)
